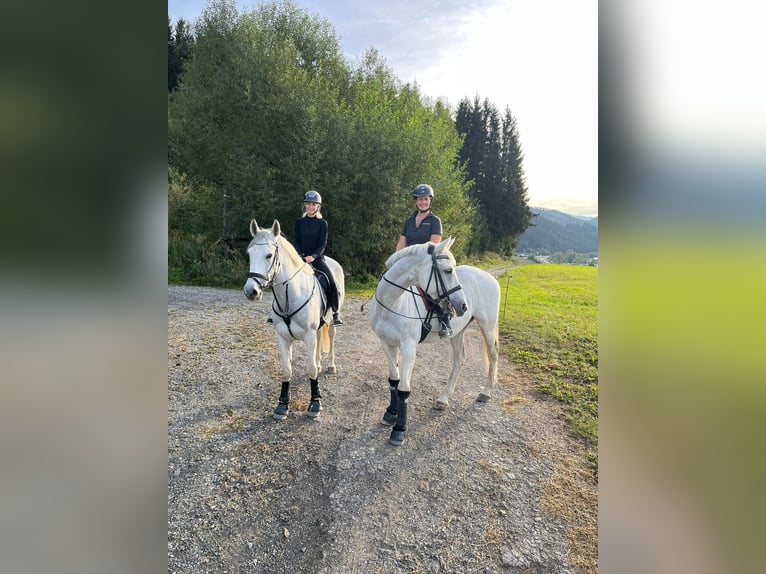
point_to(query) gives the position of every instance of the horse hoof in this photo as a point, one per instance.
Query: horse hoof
(440, 405)
(331, 370)
(314, 408)
(483, 398)
(397, 437)
(389, 419)
(280, 412)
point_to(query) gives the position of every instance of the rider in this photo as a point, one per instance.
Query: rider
(310, 241)
(421, 227)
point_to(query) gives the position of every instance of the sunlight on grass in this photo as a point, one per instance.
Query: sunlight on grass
(549, 326)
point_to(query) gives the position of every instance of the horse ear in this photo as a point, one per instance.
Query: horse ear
(253, 227)
(275, 229)
(445, 244)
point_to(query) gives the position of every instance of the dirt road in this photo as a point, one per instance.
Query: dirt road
(480, 487)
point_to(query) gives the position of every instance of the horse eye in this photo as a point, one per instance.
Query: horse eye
(269, 256)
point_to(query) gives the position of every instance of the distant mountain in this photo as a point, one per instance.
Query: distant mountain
(554, 231)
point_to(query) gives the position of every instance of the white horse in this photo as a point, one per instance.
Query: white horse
(300, 309)
(400, 317)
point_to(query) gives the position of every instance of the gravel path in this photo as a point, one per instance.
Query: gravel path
(480, 487)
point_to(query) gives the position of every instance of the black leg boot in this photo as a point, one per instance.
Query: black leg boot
(284, 398)
(315, 405)
(397, 433)
(389, 417)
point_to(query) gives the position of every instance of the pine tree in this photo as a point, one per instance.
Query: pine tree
(493, 158)
(180, 48)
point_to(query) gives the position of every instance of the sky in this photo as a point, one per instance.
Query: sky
(537, 57)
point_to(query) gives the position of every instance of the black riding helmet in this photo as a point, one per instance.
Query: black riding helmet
(313, 196)
(423, 190)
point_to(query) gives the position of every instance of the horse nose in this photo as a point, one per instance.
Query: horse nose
(464, 307)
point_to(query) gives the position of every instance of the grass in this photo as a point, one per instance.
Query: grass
(549, 328)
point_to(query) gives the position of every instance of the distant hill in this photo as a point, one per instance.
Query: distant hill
(555, 231)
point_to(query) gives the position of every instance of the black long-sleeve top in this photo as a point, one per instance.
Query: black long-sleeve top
(311, 236)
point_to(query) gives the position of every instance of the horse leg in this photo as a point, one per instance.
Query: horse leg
(284, 400)
(403, 394)
(318, 348)
(458, 357)
(313, 348)
(329, 334)
(389, 416)
(392, 352)
(491, 354)
(315, 405)
(311, 340)
(286, 356)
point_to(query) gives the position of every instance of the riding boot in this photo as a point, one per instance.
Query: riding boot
(314, 406)
(397, 433)
(336, 320)
(389, 417)
(284, 399)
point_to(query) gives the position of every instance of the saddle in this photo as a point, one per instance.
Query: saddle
(324, 287)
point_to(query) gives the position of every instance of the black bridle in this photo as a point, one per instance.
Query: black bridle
(268, 279)
(441, 289)
(268, 283)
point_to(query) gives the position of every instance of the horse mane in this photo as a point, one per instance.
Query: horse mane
(413, 249)
(286, 248)
(289, 250)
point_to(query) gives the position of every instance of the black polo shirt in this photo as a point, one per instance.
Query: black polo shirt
(431, 225)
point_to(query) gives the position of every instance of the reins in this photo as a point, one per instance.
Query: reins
(441, 291)
(284, 314)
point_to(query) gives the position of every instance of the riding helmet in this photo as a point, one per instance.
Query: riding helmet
(314, 196)
(423, 190)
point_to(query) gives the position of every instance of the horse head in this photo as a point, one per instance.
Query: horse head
(264, 259)
(440, 279)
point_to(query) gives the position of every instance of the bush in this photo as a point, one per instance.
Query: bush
(195, 260)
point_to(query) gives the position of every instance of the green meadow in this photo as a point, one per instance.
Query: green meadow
(549, 330)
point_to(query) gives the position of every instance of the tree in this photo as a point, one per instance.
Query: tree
(180, 48)
(493, 159)
(268, 108)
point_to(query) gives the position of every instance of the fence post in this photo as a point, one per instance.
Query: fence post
(507, 280)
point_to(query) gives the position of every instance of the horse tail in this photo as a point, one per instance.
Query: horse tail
(324, 338)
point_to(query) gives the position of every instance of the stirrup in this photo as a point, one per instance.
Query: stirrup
(336, 320)
(445, 331)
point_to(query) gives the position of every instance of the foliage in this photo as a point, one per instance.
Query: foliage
(549, 320)
(491, 152)
(195, 260)
(180, 48)
(268, 108)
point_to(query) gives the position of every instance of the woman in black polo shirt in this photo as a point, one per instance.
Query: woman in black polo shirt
(421, 227)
